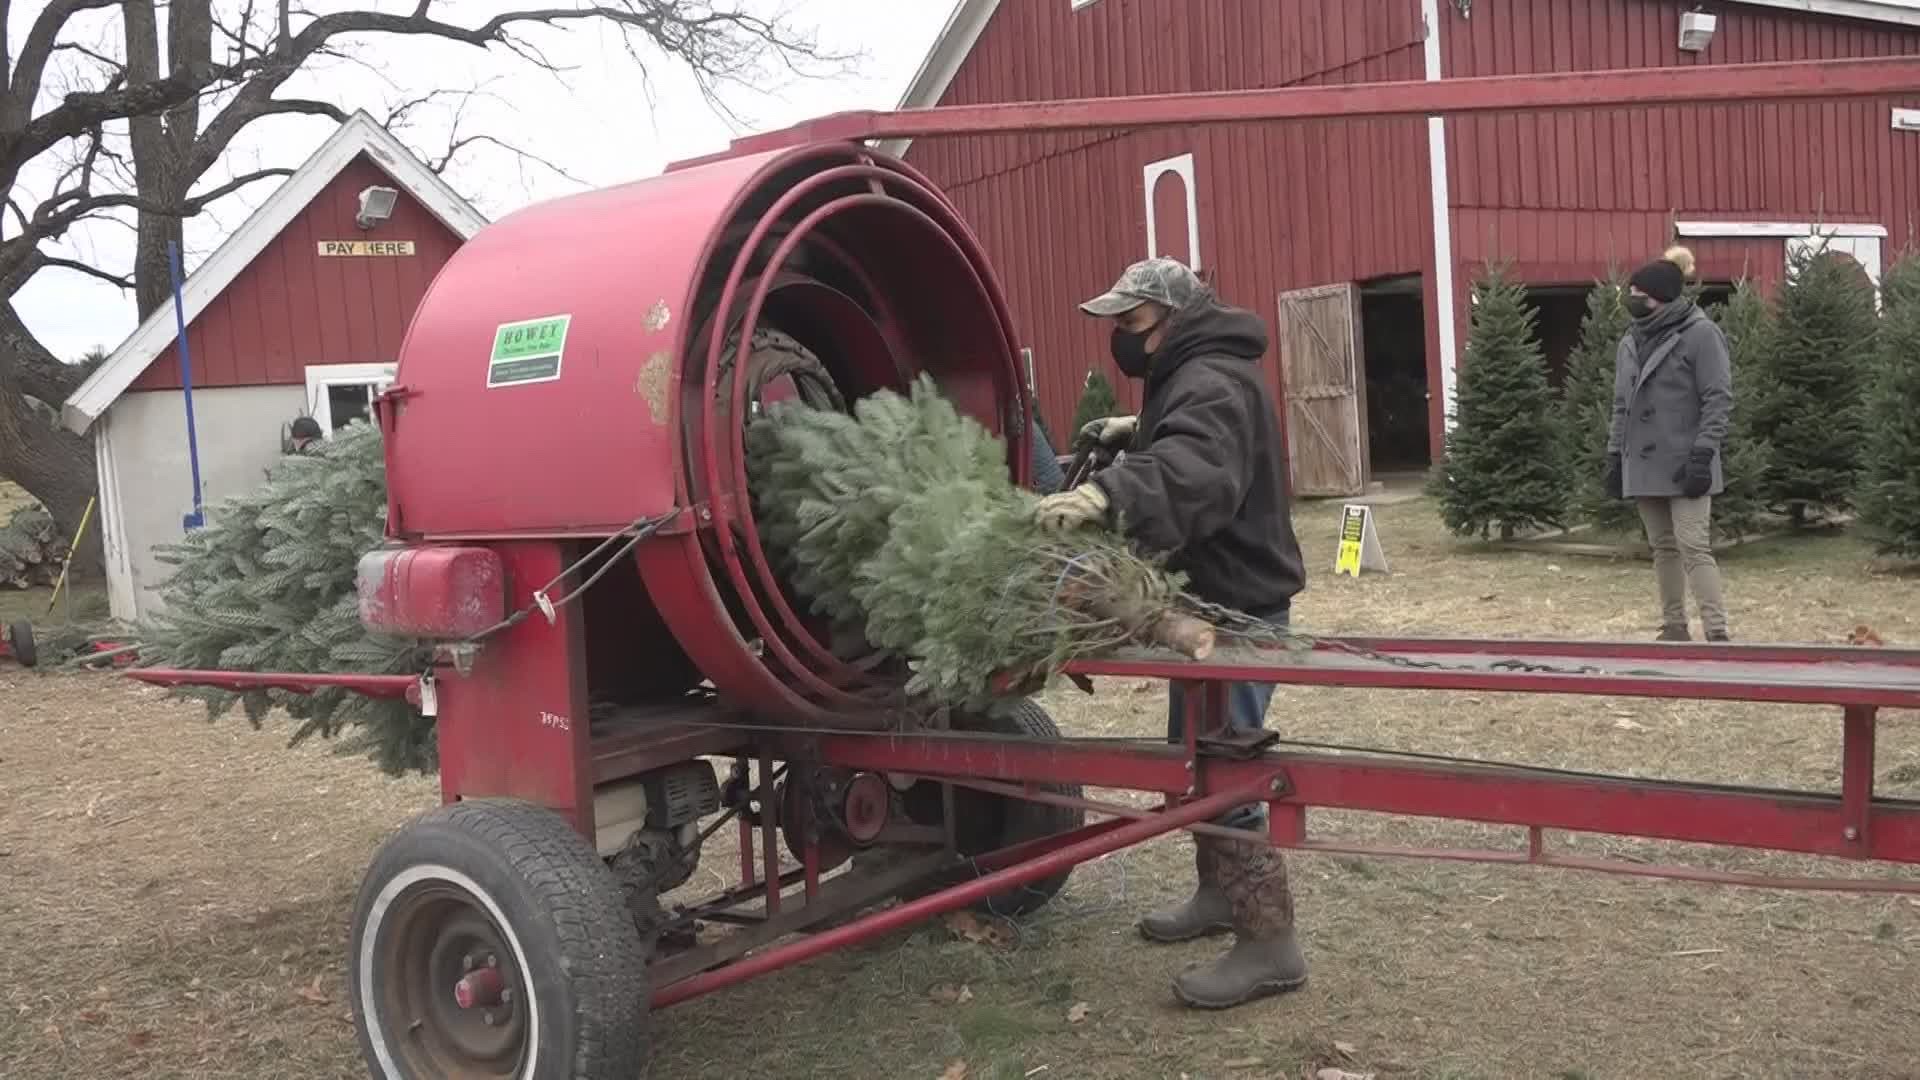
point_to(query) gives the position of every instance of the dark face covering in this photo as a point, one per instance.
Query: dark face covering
(1639, 306)
(1130, 353)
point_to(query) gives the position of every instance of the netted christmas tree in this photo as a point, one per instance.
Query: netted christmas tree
(1587, 407)
(1889, 496)
(268, 585)
(900, 519)
(1096, 401)
(1506, 465)
(1741, 508)
(1810, 401)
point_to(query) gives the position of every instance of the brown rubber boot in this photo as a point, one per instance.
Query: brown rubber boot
(1266, 957)
(1206, 913)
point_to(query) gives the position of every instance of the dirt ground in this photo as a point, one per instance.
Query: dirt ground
(174, 894)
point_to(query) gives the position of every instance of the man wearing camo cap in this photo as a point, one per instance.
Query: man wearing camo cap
(1204, 480)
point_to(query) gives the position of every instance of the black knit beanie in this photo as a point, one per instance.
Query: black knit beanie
(1660, 279)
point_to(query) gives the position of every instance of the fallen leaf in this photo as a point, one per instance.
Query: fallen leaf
(956, 1070)
(947, 994)
(1243, 1063)
(89, 1017)
(967, 925)
(313, 992)
(1341, 1074)
(1629, 725)
(1078, 1012)
(1346, 1050)
(139, 1039)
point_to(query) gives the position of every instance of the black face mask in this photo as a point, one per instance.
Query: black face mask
(1639, 306)
(1130, 353)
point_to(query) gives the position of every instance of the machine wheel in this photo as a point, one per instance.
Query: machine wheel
(988, 822)
(20, 640)
(489, 940)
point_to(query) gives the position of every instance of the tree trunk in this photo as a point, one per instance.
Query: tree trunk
(54, 465)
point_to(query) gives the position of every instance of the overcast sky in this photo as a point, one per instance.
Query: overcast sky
(595, 122)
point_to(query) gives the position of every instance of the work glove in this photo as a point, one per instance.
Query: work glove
(1108, 432)
(1696, 476)
(1615, 484)
(1084, 505)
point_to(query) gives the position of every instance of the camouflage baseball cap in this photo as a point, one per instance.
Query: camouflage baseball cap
(1163, 281)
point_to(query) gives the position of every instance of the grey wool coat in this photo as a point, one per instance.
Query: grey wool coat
(1678, 397)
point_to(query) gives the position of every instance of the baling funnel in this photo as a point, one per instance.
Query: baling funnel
(572, 371)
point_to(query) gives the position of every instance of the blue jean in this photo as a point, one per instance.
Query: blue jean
(1246, 711)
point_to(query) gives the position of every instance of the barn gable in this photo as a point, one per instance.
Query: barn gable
(267, 304)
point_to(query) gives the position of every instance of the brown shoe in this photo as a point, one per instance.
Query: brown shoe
(1206, 913)
(1674, 633)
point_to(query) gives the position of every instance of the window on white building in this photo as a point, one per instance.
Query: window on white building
(338, 394)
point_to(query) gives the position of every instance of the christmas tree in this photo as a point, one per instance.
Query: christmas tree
(1748, 324)
(1506, 466)
(900, 520)
(1587, 409)
(1813, 379)
(268, 585)
(1096, 401)
(1889, 495)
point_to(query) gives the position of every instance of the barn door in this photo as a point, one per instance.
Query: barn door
(1325, 389)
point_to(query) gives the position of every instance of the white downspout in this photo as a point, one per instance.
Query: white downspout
(1442, 219)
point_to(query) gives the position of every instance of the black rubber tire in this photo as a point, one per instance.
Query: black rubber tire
(572, 942)
(988, 822)
(20, 639)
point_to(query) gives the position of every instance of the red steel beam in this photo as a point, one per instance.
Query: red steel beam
(397, 687)
(1823, 80)
(960, 896)
(1804, 822)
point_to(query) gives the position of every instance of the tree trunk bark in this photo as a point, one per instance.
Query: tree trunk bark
(54, 465)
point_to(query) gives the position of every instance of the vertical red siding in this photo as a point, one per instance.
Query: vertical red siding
(1280, 206)
(1285, 206)
(291, 308)
(1619, 188)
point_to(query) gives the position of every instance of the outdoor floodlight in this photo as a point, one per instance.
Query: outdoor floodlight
(1696, 30)
(376, 206)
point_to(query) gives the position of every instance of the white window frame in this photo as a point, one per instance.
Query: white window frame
(1860, 240)
(321, 376)
(1076, 5)
(1151, 174)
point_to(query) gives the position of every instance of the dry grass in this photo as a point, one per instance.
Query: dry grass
(171, 891)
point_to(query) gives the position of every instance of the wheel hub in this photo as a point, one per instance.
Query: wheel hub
(455, 993)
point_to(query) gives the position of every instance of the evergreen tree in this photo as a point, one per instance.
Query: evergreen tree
(1096, 401)
(1587, 408)
(1505, 467)
(900, 520)
(268, 585)
(1889, 494)
(1749, 326)
(1813, 379)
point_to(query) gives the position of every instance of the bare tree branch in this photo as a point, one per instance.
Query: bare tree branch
(124, 281)
(31, 67)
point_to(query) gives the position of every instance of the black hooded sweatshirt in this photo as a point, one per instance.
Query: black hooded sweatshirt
(1205, 479)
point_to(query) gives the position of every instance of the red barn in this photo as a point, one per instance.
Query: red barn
(299, 313)
(1348, 235)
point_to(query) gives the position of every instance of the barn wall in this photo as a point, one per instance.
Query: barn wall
(1279, 207)
(1562, 194)
(291, 308)
(149, 477)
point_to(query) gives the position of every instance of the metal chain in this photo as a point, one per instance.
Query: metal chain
(1246, 627)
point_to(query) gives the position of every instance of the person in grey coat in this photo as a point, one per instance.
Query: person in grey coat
(1672, 400)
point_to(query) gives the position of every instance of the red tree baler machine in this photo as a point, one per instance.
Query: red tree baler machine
(570, 523)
